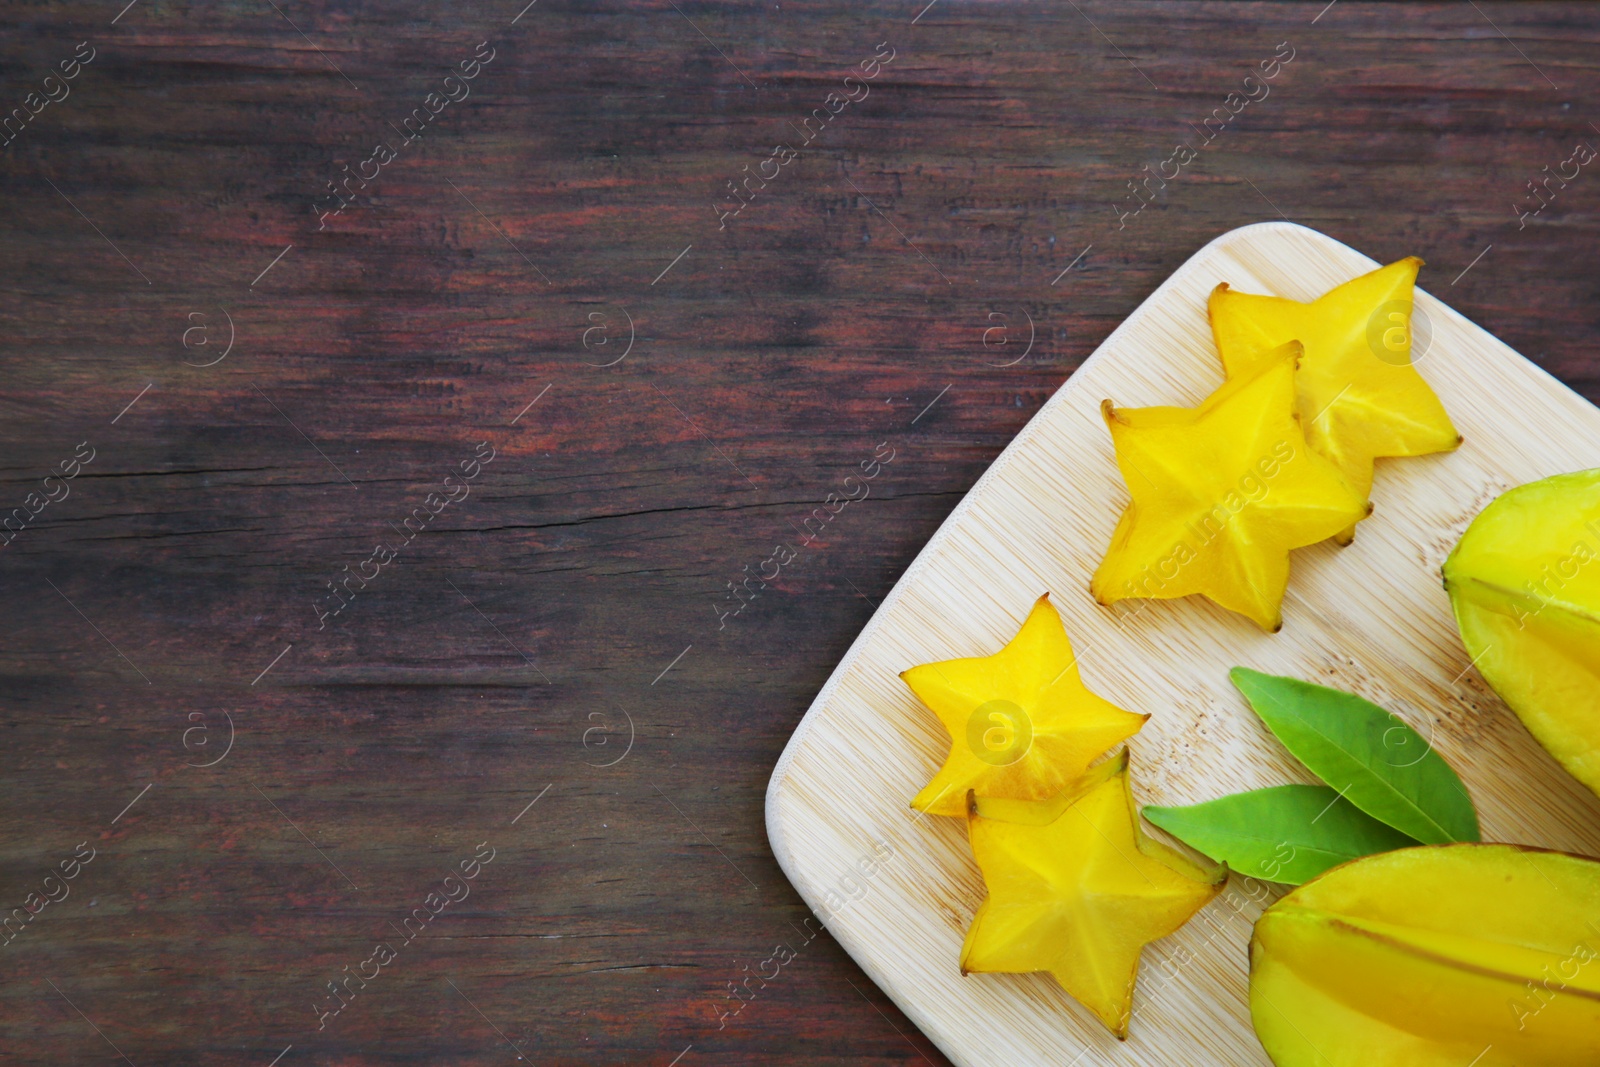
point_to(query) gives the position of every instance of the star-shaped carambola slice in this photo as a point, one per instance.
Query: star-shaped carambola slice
(1220, 494)
(1359, 396)
(1022, 725)
(1081, 896)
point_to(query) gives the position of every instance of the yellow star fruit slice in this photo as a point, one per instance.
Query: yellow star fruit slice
(1022, 725)
(1081, 896)
(1359, 395)
(1220, 494)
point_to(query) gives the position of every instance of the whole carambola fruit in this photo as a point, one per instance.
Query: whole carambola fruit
(1525, 583)
(1437, 956)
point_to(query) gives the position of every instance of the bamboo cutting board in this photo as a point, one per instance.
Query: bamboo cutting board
(898, 889)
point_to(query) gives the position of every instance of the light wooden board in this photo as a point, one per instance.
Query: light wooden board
(1372, 618)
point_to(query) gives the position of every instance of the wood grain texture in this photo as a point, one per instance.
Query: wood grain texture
(767, 363)
(1372, 618)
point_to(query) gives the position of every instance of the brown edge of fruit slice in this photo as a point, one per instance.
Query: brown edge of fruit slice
(1046, 811)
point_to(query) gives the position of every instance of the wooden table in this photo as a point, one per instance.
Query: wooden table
(545, 264)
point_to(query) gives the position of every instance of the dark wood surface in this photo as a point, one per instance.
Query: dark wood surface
(501, 655)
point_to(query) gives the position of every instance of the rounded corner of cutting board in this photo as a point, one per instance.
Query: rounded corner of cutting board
(777, 832)
(775, 816)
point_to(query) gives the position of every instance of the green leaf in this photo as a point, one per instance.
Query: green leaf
(1285, 833)
(1372, 758)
